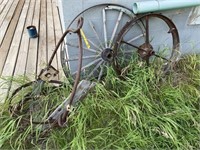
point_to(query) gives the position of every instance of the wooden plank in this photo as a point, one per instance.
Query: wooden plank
(42, 53)
(4, 88)
(20, 28)
(13, 52)
(50, 34)
(31, 69)
(24, 46)
(1, 1)
(4, 48)
(2, 6)
(58, 34)
(12, 55)
(6, 18)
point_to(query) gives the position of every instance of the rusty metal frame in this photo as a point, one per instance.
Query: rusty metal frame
(44, 72)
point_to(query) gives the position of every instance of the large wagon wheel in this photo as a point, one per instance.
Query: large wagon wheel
(102, 24)
(157, 42)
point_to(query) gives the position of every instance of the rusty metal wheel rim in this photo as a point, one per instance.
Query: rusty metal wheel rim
(145, 50)
(18, 110)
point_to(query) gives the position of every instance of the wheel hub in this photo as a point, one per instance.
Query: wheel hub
(146, 51)
(107, 54)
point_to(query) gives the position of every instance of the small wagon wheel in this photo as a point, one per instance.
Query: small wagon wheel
(157, 42)
(28, 101)
(102, 24)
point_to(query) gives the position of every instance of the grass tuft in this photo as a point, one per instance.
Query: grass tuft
(146, 110)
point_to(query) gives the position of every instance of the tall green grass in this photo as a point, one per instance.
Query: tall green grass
(146, 110)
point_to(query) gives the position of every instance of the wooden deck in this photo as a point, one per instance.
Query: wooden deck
(19, 54)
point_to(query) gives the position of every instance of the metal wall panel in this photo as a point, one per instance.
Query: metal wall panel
(189, 34)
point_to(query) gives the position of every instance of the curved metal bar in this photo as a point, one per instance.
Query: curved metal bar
(104, 4)
(27, 97)
(63, 116)
(79, 26)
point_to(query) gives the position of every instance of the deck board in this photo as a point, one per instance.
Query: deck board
(24, 45)
(58, 34)
(13, 52)
(50, 33)
(2, 6)
(7, 27)
(14, 48)
(8, 12)
(10, 30)
(31, 68)
(21, 55)
(42, 53)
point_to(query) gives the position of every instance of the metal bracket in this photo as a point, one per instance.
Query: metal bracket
(82, 90)
(48, 73)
